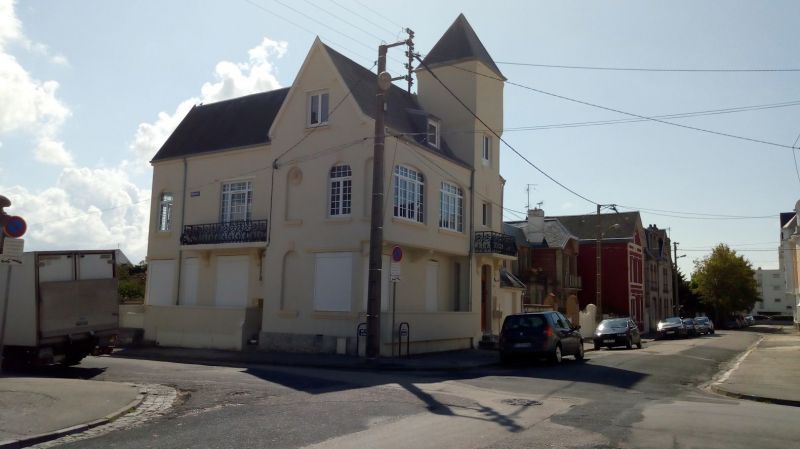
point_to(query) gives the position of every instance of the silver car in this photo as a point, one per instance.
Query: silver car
(704, 325)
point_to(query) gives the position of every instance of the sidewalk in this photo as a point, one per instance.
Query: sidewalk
(766, 373)
(35, 409)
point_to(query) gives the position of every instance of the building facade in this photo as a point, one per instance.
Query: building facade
(261, 211)
(622, 241)
(658, 276)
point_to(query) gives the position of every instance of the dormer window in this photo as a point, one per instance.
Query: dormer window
(433, 133)
(318, 109)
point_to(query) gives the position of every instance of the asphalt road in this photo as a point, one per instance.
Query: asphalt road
(654, 397)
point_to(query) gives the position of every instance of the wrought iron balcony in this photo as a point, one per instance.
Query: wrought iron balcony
(495, 242)
(230, 232)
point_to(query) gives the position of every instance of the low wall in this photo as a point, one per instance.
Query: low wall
(131, 316)
(201, 327)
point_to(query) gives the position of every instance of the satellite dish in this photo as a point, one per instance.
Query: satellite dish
(384, 81)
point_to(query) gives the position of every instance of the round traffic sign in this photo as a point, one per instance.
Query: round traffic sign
(397, 254)
(15, 227)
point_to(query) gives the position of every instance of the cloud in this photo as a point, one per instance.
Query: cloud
(29, 105)
(94, 208)
(231, 80)
(85, 209)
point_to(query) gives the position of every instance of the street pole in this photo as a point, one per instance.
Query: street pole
(677, 304)
(376, 227)
(5, 301)
(599, 263)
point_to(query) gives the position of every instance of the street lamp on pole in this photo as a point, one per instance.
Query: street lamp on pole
(599, 255)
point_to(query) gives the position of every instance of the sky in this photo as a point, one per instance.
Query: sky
(89, 90)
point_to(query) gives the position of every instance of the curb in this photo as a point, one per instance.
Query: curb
(751, 397)
(42, 437)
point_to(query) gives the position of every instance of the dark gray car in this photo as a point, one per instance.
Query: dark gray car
(617, 332)
(540, 334)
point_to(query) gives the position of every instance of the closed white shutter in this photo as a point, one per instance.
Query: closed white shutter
(190, 276)
(232, 281)
(161, 282)
(333, 273)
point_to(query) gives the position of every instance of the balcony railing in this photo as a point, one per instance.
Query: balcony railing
(495, 242)
(230, 232)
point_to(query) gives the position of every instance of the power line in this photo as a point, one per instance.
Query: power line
(265, 9)
(388, 20)
(618, 111)
(645, 69)
(698, 214)
(498, 136)
(794, 156)
(361, 16)
(380, 39)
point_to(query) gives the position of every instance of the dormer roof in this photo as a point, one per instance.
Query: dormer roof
(460, 43)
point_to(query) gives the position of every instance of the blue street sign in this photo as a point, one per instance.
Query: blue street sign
(15, 227)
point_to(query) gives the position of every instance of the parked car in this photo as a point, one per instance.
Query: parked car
(670, 327)
(691, 328)
(704, 325)
(749, 320)
(760, 318)
(617, 332)
(540, 334)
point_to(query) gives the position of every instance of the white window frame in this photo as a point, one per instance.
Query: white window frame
(165, 212)
(434, 142)
(486, 153)
(340, 190)
(486, 217)
(451, 207)
(229, 191)
(409, 194)
(320, 100)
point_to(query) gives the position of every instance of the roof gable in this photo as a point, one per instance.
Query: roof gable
(460, 42)
(234, 123)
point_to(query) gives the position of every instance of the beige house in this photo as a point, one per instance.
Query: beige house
(260, 218)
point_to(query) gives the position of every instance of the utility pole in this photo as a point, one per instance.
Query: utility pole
(599, 258)
(373, 346)
(677, 304)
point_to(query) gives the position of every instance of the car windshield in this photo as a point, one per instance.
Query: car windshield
(688, 321)
(701, 320)
(523, 322)
(619, 323)
(674, 320)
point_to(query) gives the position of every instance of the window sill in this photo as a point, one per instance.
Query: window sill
(334, 315)
(408, 222)
(339, 219)
(451, 232)
(319, 125)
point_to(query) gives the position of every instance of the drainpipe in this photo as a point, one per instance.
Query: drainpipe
(180, 250)
(471, 239)
(271, 194)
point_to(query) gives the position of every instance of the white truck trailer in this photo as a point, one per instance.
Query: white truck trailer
(62, 305)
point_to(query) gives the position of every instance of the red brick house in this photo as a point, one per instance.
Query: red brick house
(622, 278)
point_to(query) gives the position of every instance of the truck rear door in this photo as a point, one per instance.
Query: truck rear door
(77, 294)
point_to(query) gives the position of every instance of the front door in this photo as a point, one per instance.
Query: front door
(485, 279)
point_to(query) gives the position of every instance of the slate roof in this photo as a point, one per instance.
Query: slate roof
(459, 43)
(585, 226)
(226, 124)
(555, 234)
(786, 217)
(403, 112)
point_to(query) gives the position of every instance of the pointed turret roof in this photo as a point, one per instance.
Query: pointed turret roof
(460, 43)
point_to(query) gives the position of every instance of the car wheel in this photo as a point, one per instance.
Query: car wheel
(579, 354)
(556, 355)
(596, 346)
(628, 343)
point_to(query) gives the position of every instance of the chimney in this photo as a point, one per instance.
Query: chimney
(534, 231)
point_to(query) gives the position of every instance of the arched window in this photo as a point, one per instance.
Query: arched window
(451, 207)
(341, 190)
(409, 194)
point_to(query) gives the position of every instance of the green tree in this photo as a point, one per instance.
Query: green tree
(725, 282)
(131, 282)
(689, 301)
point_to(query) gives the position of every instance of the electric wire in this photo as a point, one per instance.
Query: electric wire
(619, 111)
(356, 13)
(388, 20)
(498, 136)
(316, 5)
(645, 69)
(794, 156)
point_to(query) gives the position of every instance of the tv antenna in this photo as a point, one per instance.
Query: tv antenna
(528, 190)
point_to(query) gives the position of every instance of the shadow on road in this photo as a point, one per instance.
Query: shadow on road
(56, 371)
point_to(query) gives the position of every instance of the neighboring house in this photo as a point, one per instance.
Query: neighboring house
(658, 276)
(772, 293)
(261, 210)
(622, 278)
(789, 263)
(547, 262)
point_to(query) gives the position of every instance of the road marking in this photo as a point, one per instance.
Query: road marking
(721, 379)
